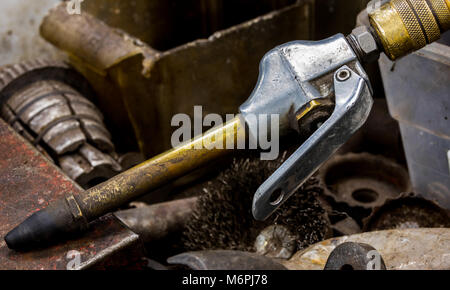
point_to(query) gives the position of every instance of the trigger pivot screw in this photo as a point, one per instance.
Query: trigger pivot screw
(343, 75)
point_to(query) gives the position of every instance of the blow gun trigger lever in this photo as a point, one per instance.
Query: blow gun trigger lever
(353, 103)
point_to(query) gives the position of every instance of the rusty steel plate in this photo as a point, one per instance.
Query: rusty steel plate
(28, 183)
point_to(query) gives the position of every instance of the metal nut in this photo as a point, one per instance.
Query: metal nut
(355, 256)
(365, 43)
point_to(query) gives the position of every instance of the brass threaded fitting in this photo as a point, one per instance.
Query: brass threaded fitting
(404, 26)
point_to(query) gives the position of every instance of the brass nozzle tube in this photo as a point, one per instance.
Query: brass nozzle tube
(159, 170)
(404, 26)
(73, 213)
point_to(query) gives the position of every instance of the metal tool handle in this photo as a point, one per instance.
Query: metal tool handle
(353, 105)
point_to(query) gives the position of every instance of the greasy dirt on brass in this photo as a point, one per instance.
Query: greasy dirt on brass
(223, 217)
(160, 170)
(408, 211)
(28, 183)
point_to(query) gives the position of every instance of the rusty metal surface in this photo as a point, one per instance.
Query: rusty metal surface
(410, 249)
(218, 72)
(28, 183)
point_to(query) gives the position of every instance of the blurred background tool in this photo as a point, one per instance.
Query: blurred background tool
(49, 104)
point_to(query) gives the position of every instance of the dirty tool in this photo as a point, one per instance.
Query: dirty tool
(300, 82)
(351, 256)
(339, 60)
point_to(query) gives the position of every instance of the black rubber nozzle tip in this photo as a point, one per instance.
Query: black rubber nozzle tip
(43, 228)
(33, 232)
(10, 239)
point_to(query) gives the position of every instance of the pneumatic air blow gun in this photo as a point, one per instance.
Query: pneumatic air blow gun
(301, 82)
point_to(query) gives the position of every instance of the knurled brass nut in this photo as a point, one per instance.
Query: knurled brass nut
(366, 43)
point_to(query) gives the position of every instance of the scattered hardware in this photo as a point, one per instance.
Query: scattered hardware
(355, 256)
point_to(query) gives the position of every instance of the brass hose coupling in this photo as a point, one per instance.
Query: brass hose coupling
(403, 26)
